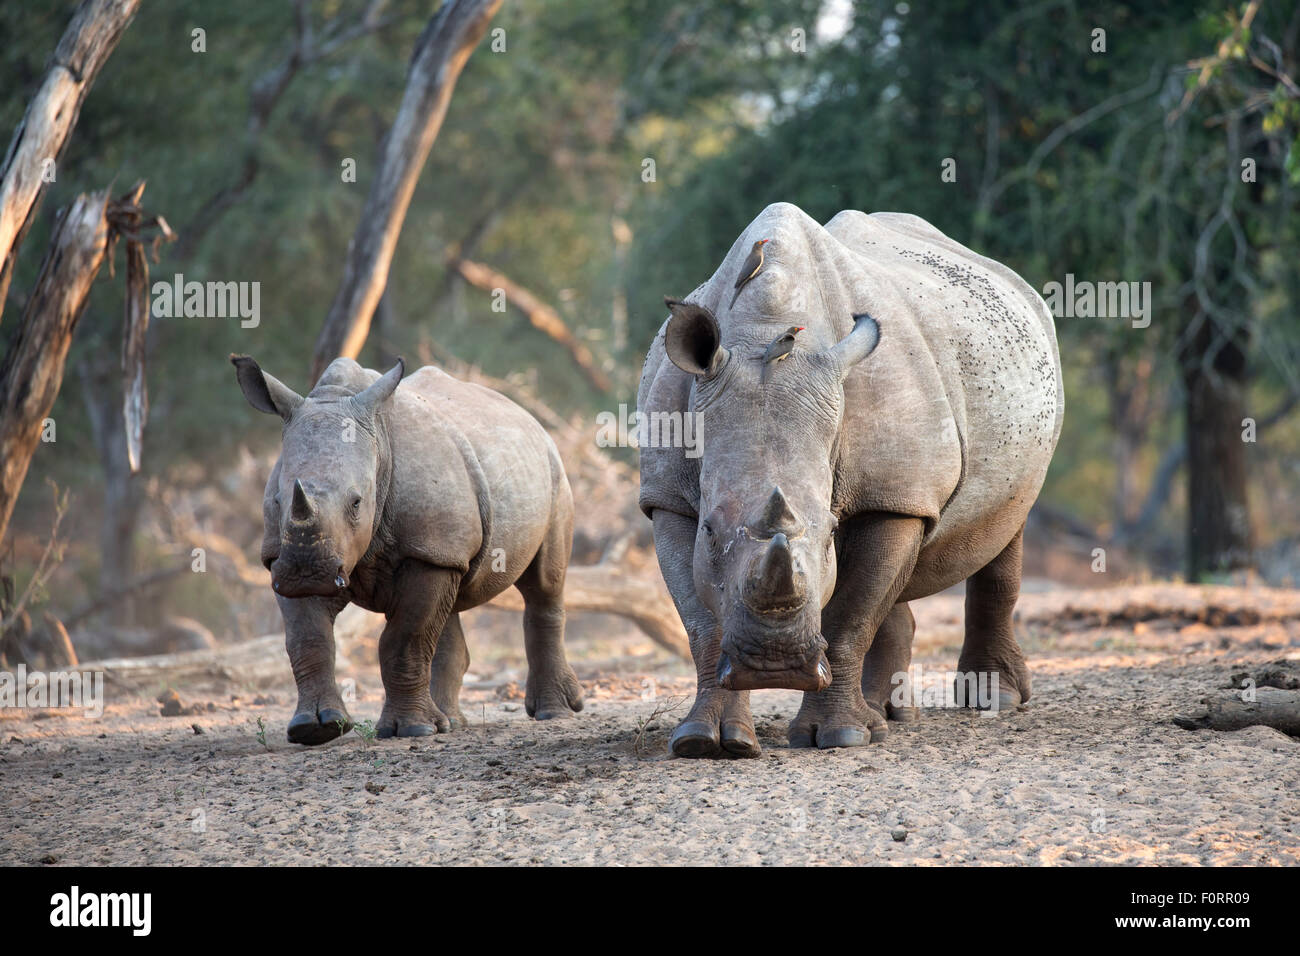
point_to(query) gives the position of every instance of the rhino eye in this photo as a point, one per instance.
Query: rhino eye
(713, 540)
(355, 505)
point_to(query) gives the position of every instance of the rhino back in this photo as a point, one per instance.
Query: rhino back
(991, 340)
(474, 477)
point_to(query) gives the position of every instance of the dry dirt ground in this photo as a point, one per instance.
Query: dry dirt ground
(1092, 771)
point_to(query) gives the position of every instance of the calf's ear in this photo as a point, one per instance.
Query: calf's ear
(374, 395)
(692, 339)
(264, 392)
(857, 345)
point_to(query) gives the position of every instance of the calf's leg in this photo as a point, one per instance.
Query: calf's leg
(553, 689)
(309, 638)
(423, 598)
(450, 662)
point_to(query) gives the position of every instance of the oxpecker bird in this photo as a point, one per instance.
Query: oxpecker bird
(781, 346)
(753, 264)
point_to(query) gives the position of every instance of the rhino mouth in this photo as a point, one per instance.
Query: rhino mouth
(313, 577)
(772, 660)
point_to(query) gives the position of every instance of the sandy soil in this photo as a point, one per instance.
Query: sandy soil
(1092, 771)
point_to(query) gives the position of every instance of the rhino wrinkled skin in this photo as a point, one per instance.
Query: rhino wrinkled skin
(417, 498)
(893, 453)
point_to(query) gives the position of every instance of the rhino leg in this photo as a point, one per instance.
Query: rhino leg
(990, 644)
(450, 662)
(424, 596)
(890, 654)
(877, 558)
(309, 638)
(553, 689)
(719, 720)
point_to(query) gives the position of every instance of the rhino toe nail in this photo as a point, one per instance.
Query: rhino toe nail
(417, 730)
(695, 738)
(739, 740)
(841, 737)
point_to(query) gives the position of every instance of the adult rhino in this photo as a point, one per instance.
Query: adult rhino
(893, 452)
(417, 498)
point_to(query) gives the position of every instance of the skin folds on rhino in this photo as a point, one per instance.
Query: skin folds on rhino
(893, 453)
(417, 498)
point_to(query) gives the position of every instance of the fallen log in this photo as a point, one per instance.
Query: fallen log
(258, 664)
(1270, 707)
(261, 664)
(605, 589)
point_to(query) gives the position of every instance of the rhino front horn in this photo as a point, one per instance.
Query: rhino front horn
(301, 510)
(774, 586)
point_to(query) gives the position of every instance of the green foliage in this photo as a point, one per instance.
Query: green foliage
(1066, 162)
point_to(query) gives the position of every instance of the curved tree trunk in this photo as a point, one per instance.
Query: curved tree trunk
(440, 55)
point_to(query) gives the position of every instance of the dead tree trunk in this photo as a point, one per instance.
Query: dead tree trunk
(32, 371)
(1218, 519)
(122, 493)
(440, 55)
(47, 125)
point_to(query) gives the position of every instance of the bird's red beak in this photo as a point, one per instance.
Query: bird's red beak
(765, 240)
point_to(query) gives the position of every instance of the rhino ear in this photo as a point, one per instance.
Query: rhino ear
(264, 392)
(372, 397)
(857, 345)
(693, 340)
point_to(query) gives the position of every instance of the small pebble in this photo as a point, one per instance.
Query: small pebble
(898, 835)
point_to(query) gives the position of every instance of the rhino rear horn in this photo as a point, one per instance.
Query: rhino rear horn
(777, 515)
(692, 339)
(858, 344)
(370, 398)
(264, 392)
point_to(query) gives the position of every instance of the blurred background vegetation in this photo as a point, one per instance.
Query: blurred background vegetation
(1122, 164)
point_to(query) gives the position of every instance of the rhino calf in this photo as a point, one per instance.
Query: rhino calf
(892, 450)
(419, 499)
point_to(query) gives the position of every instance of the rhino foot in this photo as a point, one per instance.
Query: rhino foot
(318, 727)
(422, 720)
(457, 719)
(716, 725)
(1012, 682)
(555, 695)
(824, 723)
